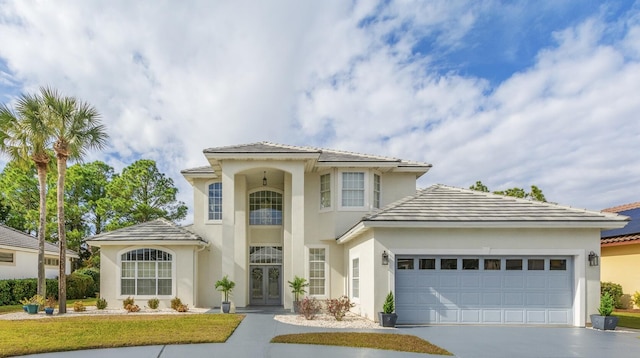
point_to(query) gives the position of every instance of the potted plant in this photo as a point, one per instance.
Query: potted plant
(387, 318)
(297, 288)
(225, 286)
(604, 320)
(34, 303)
(24, 302)
(50, 305)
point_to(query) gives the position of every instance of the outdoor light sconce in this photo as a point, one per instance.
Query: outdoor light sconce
(593, 259)
(264, 178)
(385, 258)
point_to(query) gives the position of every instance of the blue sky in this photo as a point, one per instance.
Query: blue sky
(512, 93)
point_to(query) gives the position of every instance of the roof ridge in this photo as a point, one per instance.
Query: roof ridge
(623, 207)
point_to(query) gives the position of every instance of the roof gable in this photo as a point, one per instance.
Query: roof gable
(155, 230)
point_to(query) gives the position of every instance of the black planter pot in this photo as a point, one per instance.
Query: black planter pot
(226, 307)
(605, 323)
(48, 310)
(387, 319)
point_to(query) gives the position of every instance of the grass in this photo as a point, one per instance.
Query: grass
(628, 319)
(74, 333)
(387, 341)
(18, 308)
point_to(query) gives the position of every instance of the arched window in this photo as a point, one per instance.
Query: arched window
(265, 208)
(146, 272)
(215, 201)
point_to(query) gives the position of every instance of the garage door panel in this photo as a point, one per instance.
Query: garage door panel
(496, 296)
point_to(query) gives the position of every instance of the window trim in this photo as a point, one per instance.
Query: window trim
(327, 276)
(173, 261)
(353, 278)
(206, 202)
(13, 258)
(331, 198)
(366, 199)
(51, 258)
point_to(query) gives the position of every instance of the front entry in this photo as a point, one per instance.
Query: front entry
(266, 285)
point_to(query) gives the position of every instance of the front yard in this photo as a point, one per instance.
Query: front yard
(628, 319)
(75, 333)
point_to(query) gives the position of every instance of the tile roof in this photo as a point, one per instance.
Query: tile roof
(325, 155)
(13, 238)
(441, 203)
(619, 208)
(207, 169)
(629, 234)
(620, 240)
(155, 230)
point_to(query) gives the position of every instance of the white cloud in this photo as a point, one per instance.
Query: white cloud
(173, 78)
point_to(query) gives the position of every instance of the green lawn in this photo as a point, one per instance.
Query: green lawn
(628, 319)
(387, 341)
(74, 333)
(18, 308)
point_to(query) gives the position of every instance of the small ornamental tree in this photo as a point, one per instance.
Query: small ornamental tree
(389, 306)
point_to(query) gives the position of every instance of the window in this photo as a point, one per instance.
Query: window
(355, 278)
(427, 264)
(51, 261)
(470, 264)
(376, 191)
(353, 189)
(557, 265)
(146, 272)
(448, 264)
(215, 201)
(265, 208)
(325, 191)
(265, 254)
(404, 264)
(6, 257)
(492, 264)
(535, 264)
(317, 271)
(513, 264)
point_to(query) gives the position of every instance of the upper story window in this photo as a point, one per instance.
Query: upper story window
(325, 191)
(146, 272)
(215, 201)
(265, 208)
(376, 191)
(352, 189)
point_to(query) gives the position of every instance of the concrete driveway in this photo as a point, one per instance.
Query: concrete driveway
(251, 339)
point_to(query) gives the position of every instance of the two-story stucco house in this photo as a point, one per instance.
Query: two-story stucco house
(353, 224)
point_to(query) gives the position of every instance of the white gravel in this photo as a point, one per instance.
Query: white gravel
(93, 311)
(351, 320)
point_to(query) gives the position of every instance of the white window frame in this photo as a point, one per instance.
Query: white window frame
(377, 192)
(326, 269)
(355, 298)
(206, 203)
(330, 191)
(13, 256)
(366, 179)
(51, 258)
(173, 261)
(249, 207)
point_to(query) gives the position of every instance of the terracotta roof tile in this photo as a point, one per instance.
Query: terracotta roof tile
(624, 207)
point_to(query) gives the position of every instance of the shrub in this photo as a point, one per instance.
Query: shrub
(79, 285)
(51, 302)
(182, 308)
(153, 303)
(309, 307)
(132, 308)
(101, 303)
(636, 299)
(128, 301)
(78, 306)
(389, 306)
(6, 297)
(52, 287)
(606, 305)
(338, 307)
(25, 288)
(614, 290)
(175, 303)
(94, 273)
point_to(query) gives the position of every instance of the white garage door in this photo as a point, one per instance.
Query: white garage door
(484, 290)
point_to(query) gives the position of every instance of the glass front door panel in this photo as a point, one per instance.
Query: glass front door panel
(266, 285)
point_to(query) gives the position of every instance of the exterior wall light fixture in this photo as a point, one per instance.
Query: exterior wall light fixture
(594, 260)
(385, 258)
(264, 178)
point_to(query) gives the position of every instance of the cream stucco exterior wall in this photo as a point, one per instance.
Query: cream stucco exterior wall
(620, 265)
(478, 241)
(183, 276)
(25, 265)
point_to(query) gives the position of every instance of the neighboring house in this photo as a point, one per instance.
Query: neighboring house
(621, 250)
(19, 256)
(353, 224)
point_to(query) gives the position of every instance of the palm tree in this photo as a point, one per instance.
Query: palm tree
(24, 137)
(75, 128)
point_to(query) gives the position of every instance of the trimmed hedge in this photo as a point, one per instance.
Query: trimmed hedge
(79, 285)
(614, 290)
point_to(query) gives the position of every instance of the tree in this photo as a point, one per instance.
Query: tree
(75, 128)
(24, 137)
(535, 193)
(142, 193)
